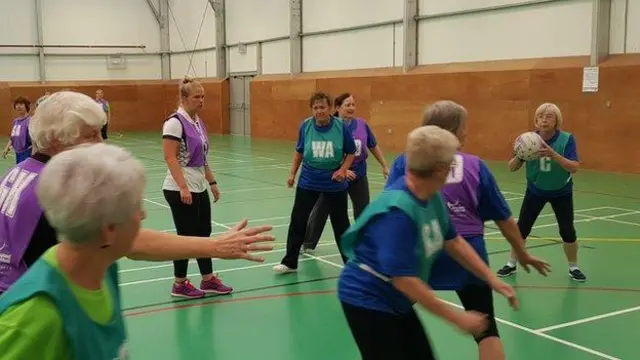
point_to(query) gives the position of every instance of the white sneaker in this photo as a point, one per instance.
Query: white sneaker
(283, 269)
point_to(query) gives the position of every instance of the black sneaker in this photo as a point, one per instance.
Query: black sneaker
(507, 270)
(577, 275)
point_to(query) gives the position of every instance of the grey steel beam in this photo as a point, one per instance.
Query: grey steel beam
(486, 9)
(600, 30)
(295, 36)
(410, 35)
(165, 41)
(155, 12)
(41, 64)
(218, 7)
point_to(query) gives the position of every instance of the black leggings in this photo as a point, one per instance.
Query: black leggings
(384, 336)
(191, 220)
(562, 207)
(302, 206)
(358, 192)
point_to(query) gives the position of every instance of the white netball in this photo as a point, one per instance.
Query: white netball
(527, 146)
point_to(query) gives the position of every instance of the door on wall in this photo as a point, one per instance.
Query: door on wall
(240, 106)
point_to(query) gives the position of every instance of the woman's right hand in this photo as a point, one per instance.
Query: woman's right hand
(185, 196)
(291, 181)
(472, 322)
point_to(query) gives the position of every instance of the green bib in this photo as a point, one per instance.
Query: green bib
(324, 149)
(431, 223)
(547, 174)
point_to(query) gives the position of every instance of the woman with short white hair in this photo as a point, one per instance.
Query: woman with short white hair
(64, 120)
(391, 248)
(550, 180)
(69, 298)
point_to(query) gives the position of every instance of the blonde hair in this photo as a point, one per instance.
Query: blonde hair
(429, 146)
(549, 108)
(187, 84)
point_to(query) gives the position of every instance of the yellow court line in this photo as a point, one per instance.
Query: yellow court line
(618, 240)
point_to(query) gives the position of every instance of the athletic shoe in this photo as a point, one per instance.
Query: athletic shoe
(507, 270)
(186, 290)
(215, 286)
(577, 275)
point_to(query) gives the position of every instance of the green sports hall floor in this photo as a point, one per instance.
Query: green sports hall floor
(298, 316)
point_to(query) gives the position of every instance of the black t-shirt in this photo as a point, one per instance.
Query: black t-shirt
(44, 236)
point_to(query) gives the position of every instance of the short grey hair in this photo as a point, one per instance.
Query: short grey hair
(61, 117)
(430, 146)
(549, 108)
(446, 114)
(88, 187)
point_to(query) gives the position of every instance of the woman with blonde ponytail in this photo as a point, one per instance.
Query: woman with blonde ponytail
(185, 145)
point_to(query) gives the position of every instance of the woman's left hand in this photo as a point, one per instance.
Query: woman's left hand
(340, 175)
(385, 172)
(216, 192)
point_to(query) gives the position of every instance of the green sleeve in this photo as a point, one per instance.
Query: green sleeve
(33, 330)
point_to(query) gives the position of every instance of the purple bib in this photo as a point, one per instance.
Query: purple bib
(461, 194)
(196, 140)
(20, 213)
(360, 138)
(19, 133)
(104, 103)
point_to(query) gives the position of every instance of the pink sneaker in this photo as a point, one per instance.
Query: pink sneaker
(186, 290)
(215, 286)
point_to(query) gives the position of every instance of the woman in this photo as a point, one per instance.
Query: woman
(550, 180)
(326, 150)
(472, 197)
(106, 107)
(185, 145)
(67, 306)
(358, 187)
(391, 248)
(67, 119)
(19, 139)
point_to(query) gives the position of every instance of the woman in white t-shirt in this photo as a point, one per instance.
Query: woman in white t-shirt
(185, 145)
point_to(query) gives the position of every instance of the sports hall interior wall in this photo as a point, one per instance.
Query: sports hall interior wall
(501, 97)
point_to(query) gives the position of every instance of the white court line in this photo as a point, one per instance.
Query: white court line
(192, 261)
(235, 191)
(146, 281)
(517, 326)
(589, 319)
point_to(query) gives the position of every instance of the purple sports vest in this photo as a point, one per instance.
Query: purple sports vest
(461, 194)
(19, 133)
(360, 137)
(196, 138)
(104, 103)
(20, 213)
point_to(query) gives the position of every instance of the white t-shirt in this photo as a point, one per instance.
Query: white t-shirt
(193, 176)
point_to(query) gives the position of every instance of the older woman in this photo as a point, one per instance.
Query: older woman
(358, 187)
(106, 107)
(326, 150)
(391, 248)
(472, 197)
(19, 139)
(550, 180)
(185, 145)
(67, 306)
(64, 120)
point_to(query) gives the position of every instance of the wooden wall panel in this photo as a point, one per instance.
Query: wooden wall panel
(136, 105)
(501, 97)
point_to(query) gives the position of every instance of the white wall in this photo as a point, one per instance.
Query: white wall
(79, 22)
(547, 30)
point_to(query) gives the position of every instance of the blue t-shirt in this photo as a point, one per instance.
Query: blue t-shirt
(361, 168)
(318, 179)
(388, 244)
(571, 153)
(397, 170)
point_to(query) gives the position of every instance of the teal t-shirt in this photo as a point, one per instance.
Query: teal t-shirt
(547, 174)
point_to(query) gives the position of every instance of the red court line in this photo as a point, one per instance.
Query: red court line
(222, 301)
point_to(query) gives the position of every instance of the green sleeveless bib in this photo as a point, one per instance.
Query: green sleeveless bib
(324, 149)
(545, 173)
(431, 223)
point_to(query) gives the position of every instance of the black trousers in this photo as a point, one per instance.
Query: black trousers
(385, 336)
(103, 131)
(191, 220)
(302, 206)
(562, 207)
(358, 192)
